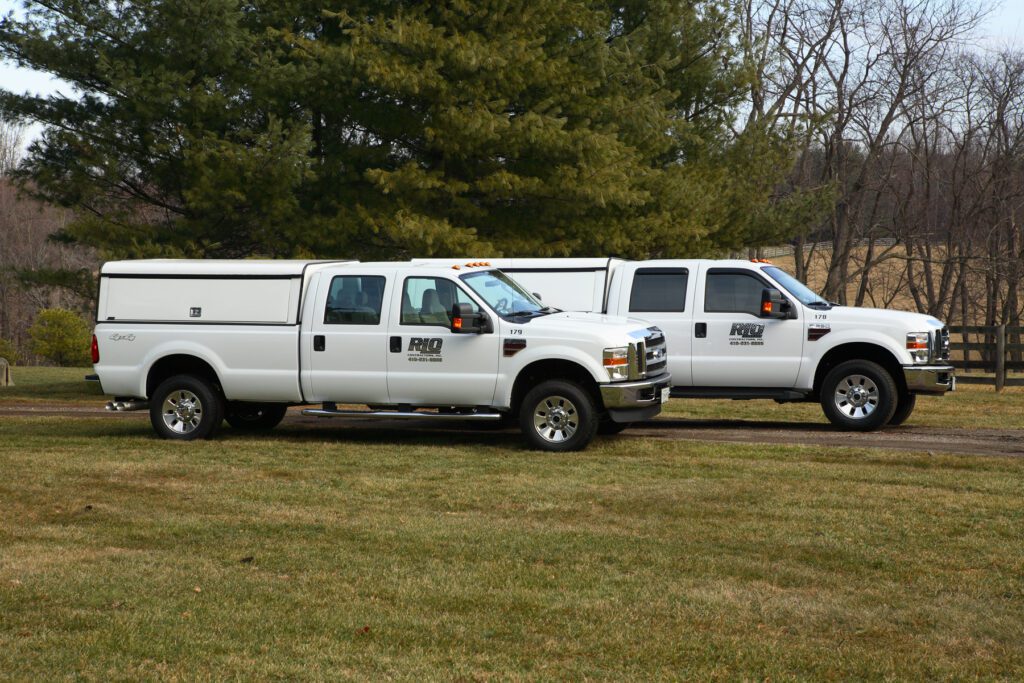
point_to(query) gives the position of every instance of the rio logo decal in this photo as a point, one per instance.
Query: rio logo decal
(425, 350)
(746, 334)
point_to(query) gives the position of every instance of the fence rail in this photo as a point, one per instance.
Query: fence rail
(994, 353)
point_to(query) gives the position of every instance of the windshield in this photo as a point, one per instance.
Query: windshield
(502, 293)
(795, 287)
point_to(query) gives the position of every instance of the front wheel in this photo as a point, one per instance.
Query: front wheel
(859, 395)
(558, 416)
(184, 407)
(608, 427)
(904, 407)
(255, 417)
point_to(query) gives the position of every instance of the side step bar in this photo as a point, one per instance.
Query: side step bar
(740, 393)
(398, 415)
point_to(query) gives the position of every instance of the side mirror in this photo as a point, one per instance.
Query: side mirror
(467, 321)
(773, 304)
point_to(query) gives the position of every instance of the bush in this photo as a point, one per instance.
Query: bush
(8, 352)
(60, 336)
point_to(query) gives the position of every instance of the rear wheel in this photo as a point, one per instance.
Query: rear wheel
(185, 407)
(859, 395)
(558, 415)
(904, 407)
(255, 417)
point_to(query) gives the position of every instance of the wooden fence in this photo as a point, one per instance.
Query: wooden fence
(989, 348)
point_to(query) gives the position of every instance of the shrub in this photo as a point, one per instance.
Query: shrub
(60, 336)
(8, 352)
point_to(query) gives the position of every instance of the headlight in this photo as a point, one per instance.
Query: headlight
(616, 362)
(918, 346)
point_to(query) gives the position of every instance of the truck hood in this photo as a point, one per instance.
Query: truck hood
(914, 322)
(591, 324)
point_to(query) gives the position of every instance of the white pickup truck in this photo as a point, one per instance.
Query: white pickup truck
(197, 342)
(747, 329)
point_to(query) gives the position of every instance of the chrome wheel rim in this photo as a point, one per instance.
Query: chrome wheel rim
(182, 411)
(856, 396)
(556, 419)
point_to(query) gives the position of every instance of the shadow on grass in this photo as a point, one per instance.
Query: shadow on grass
(299, 430)
(723, 424)
(399, 434)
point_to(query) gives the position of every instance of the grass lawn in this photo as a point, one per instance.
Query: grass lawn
(326, 554)
(33, 384)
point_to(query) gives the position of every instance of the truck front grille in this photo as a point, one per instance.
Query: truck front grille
(940, 345)
(656, 356)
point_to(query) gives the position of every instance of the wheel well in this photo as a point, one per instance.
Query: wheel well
(541, 370)
(860, 351)
(180, 364)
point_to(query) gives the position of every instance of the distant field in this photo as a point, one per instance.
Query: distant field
(331, 554)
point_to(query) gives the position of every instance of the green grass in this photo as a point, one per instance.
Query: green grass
(33, 384)
(437, 555)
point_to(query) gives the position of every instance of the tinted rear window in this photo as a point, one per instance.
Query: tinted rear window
(658, 290)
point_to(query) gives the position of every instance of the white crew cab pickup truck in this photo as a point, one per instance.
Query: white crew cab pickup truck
(197, 342)
(747, 329)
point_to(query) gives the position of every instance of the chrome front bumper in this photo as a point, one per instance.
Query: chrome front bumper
(929, 379)
(640, 394)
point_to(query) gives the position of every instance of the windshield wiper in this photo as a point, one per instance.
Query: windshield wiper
(821, 304)
(514, 314)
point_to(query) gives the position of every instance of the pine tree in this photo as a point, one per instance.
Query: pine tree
(390, 129)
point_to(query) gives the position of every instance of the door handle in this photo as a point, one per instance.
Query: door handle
(395, 344)
(700, 330)
(319, 342)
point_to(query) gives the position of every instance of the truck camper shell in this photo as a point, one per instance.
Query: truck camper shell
(252, 292)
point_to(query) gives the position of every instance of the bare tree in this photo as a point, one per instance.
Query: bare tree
(12, 135)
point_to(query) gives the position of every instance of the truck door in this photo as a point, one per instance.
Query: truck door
(427, 362)
(347, 341)
(660, 295)
(732, 345)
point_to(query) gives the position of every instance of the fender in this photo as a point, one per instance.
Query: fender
(836, 338)
(510, 368)
(179, 348)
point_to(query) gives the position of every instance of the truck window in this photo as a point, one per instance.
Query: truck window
(429, 300)
(658, 290)
(733, 292)
(354, 300)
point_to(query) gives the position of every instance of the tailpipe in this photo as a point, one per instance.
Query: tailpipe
(123, 405)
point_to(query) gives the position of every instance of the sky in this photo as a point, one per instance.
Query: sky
(1004, 27)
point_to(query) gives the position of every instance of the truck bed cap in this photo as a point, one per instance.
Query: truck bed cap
(195, 267)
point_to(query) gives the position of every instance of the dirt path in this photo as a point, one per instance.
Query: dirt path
(1005, 442)
(907, 437)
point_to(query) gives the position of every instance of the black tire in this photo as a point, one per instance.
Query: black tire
(606, 427)
(571, 408)
(904, 407)
(859, 396)
(255, 417)
(201, 421)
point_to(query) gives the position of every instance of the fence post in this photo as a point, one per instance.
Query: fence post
(1000, 357)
